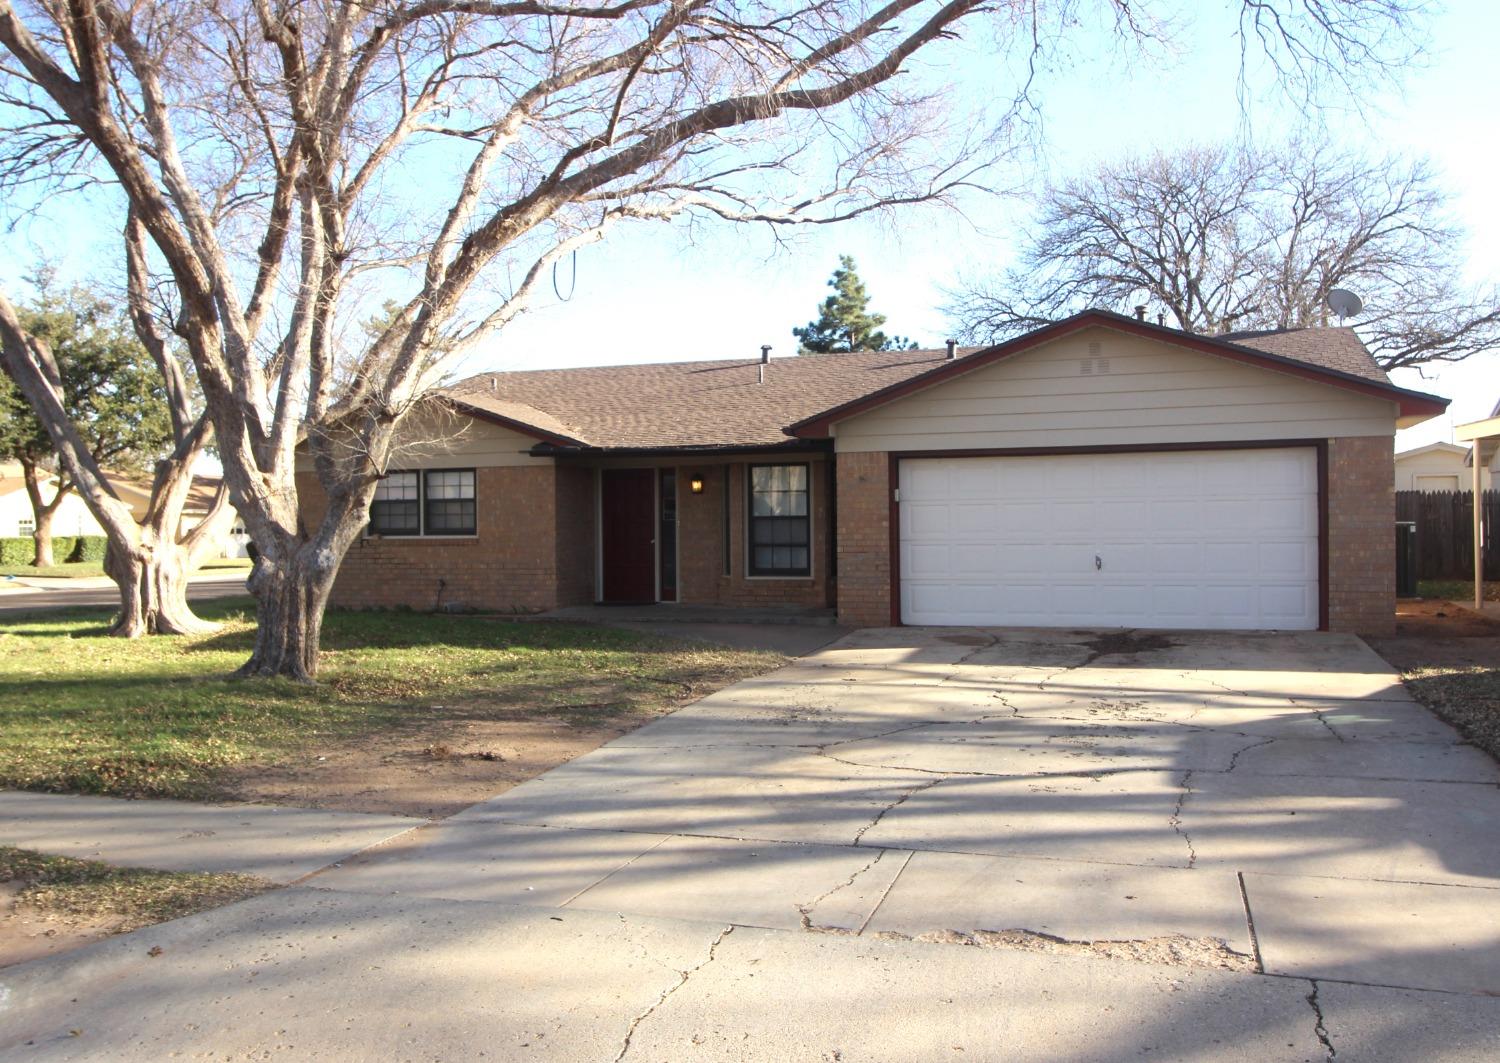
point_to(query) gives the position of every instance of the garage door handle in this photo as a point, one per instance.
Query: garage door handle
(1098, 563)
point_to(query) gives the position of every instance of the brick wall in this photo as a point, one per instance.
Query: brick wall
(517, 561)
(864, 539)
(700, 534)
(1361, 535)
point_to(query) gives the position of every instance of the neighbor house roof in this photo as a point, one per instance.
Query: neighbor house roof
(1430, 448)
(724, 404)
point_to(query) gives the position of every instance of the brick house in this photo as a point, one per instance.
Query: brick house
(1101, 471)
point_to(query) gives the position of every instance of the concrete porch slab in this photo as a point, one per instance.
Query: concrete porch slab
(1404, 934)
(280, 844)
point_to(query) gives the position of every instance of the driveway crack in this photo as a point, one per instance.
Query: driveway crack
(1319, 1028)
(1234, 758)
(1176, 819)
(683, 976)
(926, 785)
(807, 909)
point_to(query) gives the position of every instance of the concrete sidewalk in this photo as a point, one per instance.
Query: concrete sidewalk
(279, 844)
(310, 974)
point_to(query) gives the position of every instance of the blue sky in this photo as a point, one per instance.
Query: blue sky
(660, 293)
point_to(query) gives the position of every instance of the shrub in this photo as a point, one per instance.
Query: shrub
(88, 548)
(17, 550)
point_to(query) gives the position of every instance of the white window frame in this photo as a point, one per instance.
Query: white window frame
(812, 528)
(422, 533)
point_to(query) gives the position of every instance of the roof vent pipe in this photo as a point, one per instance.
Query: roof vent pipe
(765, 353)
(952, 349)
(1140, 312)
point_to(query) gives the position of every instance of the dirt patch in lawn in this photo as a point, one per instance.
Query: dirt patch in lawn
(430, 770)
(1449, 658)
(51, 904)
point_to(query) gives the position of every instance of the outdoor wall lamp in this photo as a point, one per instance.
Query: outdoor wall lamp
(695, 483)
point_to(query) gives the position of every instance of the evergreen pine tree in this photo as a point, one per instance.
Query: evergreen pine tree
(844, 322)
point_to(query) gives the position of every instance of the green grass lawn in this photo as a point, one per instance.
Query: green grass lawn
(158, 716)
(78, 569)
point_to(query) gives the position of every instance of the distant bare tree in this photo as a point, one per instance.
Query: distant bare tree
(280, 159)
(1220, 238)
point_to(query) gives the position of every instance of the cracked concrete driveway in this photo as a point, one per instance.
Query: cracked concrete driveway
(914, 843)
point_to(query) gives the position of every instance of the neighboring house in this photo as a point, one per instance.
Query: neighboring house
(1100, 471)
(73, 516)
(17, 519)
(1438, 467)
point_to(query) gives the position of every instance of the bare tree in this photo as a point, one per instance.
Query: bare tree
(281, 158)
(1221, 238)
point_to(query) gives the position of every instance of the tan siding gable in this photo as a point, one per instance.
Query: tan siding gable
(455, 440)
(1100, 387)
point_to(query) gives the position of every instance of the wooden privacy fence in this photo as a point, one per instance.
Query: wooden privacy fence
(1445, 532)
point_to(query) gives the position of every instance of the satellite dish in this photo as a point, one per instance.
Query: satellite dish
(1344, 303)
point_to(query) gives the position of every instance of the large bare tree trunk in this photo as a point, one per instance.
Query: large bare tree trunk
(153, 592)
(291, 594)
(41, 536)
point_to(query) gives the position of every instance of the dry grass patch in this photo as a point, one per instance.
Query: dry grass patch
(160, 717)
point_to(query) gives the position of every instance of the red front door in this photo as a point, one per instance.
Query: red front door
(628, 519)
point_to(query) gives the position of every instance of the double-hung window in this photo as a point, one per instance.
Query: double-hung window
(780, 521)
(396, 509)
(435, 502)
(449, 499)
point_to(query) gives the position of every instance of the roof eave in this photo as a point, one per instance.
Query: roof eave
(539, 434)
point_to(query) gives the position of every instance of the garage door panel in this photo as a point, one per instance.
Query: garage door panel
(1186, 539)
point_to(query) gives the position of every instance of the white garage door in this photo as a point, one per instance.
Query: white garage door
(1189, 539)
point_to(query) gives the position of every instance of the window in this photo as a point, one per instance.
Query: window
(450, 502)
(780, 525)
(26, 526)
(395, 510)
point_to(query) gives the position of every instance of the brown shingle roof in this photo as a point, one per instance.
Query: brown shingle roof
(690, 404)
(720, 404)
(1331, 348)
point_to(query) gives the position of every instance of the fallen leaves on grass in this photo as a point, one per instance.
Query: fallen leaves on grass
(87, 891)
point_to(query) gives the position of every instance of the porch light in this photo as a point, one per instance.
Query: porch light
(695, 483)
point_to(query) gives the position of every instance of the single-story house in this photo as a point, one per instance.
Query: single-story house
(18, 520)
(73, 516)
(1101, 471)
(1439, 467)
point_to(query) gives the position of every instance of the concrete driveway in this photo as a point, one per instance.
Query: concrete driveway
(910, 845)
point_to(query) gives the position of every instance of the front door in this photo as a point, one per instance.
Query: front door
(627, 504)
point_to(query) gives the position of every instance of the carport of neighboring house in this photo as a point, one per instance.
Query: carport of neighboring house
(1099, 472)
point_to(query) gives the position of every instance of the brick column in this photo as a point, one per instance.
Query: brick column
(1362, 535)
(864, 539)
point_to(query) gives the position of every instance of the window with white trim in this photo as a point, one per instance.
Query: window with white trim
(780, 521)
(396, 509)
(448, 501)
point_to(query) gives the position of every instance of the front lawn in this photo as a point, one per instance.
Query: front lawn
(159, 717)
